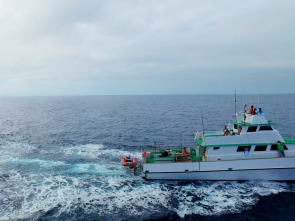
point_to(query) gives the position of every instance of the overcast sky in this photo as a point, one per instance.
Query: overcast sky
(72, 47)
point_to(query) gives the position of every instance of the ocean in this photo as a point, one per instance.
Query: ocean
(60, 159)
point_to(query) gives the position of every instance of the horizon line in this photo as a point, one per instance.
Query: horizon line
(92, 95)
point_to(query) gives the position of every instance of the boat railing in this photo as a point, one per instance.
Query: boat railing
(168, 148)
(199, 135)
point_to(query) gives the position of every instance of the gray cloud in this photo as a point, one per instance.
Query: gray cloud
(146, 47)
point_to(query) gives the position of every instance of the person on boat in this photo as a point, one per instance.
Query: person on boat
(251, 110)
(225, 131)
(246, 151)
(281, 149)
(239, 130)
(260, 112)
(254, 111)
(165, 154)
(128, 159)
(143, 153)
(185, 151)
(232, 133)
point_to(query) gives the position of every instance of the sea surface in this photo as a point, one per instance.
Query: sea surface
(60, 159)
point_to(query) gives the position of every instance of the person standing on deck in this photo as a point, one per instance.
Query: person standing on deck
(185, 151)
(254, 111)
(260, 111)
(225, 131)
(281, 149)
(251, 110)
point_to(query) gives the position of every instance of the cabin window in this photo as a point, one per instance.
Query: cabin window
(216, 148)
(242, 148)
(252, 129)
(260, 148)
(275, 147)
(235, 126)
(265, 128)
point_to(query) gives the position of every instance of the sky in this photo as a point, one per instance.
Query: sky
(73, 47)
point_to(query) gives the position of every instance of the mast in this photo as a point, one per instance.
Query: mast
(235, 105)
(203, 123)
(244, 97)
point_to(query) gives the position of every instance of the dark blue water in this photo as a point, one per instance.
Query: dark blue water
(60, 158)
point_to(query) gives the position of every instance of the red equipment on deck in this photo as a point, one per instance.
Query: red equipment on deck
(128, 163)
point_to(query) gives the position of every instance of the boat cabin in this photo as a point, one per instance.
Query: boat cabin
(249, 137)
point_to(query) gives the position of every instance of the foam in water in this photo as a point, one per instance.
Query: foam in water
(97, 151)
(24, 195)
(104, 188)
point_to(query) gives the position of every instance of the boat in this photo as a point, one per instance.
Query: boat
(128, 162)
(247, 151)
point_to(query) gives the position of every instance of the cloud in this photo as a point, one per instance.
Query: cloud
(145, 47)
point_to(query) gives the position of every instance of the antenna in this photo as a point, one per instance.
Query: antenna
(245, 105)
(203, 122)
(243, 97)
(235, 105)
(182, 140)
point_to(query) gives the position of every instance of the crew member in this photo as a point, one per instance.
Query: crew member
(260, 111)
(225, 131)
(185, 151)
(281, 149)
(251, 110)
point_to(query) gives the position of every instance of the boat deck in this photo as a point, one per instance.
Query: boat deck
(175, 155)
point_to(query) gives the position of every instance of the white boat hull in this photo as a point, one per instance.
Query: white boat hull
(278, 169)
(264, 174)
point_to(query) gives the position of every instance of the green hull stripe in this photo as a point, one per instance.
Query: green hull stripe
(248, 124)
(286, 139)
